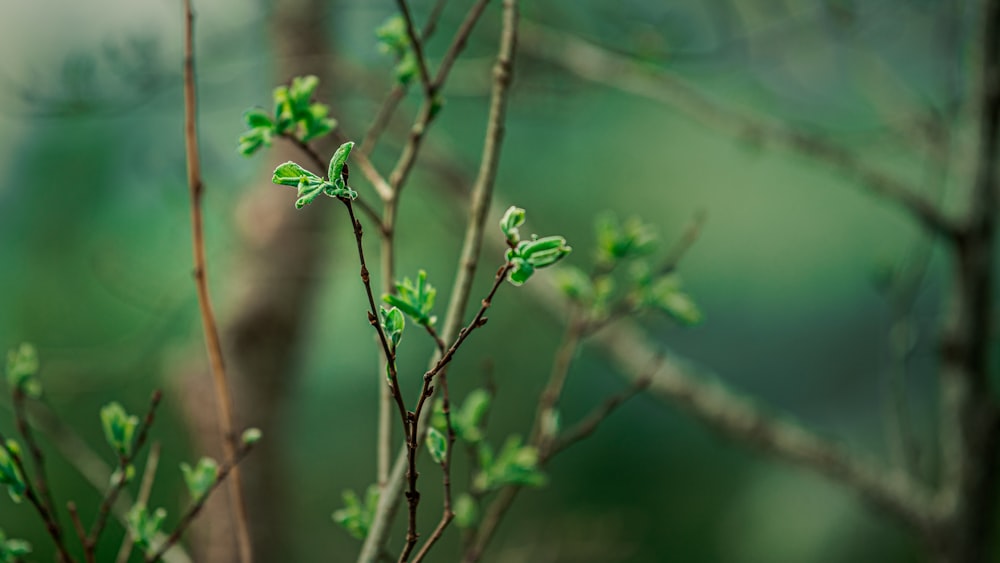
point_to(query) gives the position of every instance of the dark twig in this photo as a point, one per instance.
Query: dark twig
(120, 479)
(48, 518)
(223, 472)
(418, 49)
(223, 396)
(37, 457)
(412, 443)
(81, 533)
(447, 514)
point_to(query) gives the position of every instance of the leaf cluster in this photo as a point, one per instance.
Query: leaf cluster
(294, 114)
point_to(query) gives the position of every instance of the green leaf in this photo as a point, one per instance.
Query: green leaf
(201, 477)
(575, 284)
(291, 174)
(415, 299)
(12, 550)
(521, 271)
(336, 169)
(515, 464)
(250, 436)
(543, 252)
(393, 322)
(256, 117)
(356, 517)
(466, 511)
(22, 369)
(10, 475)
(437, 444)
(119, 428)
(617, 241)
(511, 220)
(144, 526)
(261, 129)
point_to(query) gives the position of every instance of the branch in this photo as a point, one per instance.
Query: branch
(24, 429)
(226, 470)
(412, 495)
(418, 50)
(222, 394)
(90, 545)
(594, 63)
(145, 489)
(482, 193)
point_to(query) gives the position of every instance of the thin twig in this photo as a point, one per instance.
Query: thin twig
(398, 92)
(547, 402)
(120, 477)
(37, 457)
(145, 489)
(225, 470)
(447, 514)
(412, 494)
(223, 397)
(81, 533)
(47, 517)
(482, 193)
(418, 50)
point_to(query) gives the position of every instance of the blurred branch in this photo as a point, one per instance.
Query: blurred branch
(224, 405)
(594, 63)
(482, 192)
(145, 489)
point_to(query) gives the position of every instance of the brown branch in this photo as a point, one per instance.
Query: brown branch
(81, 533)
(120, 477)
(447, 514)
(413, 437)
(549, 399)
(594, 63)
(214, 346)
(48, 518)
(482, 193)
(226, 470)
(37, 457)
(418, 50)
(398, 92)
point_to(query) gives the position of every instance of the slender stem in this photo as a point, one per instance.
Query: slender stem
(120, 479)
(398, 92)
(81, 534)
(549, 399)
(47, 517)
(447, 514)
(24, 429)
(224, 399)
(373, 316)
(482, 193)
(145, 489)
(226, 470)
(412, 444)
(418, 49)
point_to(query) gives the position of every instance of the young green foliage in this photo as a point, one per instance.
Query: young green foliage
(393, 323)
(466, 511)
(616, 241)
(10, 475)
(515, 464)
(416, 299)
(22, 369)
(12, 550)
(356, 516)
(310, 185)
(294, 114)
(529, 255)
(200, 478)
(393, 40)
(143, 525)
(466, 420)
(119, 428)
(437, 444)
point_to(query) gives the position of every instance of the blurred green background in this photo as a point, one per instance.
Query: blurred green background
(94, 238)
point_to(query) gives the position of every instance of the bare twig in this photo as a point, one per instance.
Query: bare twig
(597, 64)
(222, 393)
(447, 514)
(24, 429)
(81, 533)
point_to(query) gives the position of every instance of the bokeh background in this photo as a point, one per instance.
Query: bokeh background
(789, 268)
